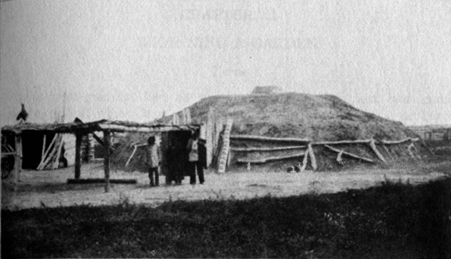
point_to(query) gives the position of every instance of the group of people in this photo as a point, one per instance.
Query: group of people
(152, 160)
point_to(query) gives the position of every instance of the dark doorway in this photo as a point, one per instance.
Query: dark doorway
(175, 154)
(32, 143)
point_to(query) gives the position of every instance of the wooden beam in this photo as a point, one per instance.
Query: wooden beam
(78, 138)
(120, 128)
(261, 138)
(395, 142)
(342, 142)
(378, 154)
(97, 138)
(106, 160)
(100, 180)
(350, 154)
(269, 159)
(263, 149)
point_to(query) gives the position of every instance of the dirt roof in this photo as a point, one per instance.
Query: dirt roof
(316, 117)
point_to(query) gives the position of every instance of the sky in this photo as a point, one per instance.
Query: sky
(134, 60)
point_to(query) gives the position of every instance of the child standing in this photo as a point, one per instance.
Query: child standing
(152, 160)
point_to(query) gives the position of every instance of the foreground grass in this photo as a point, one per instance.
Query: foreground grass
(391, 221)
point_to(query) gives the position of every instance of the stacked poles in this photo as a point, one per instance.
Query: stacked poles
(306, 150)
(53, 153)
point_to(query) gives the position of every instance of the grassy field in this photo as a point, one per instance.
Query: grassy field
(393, 220)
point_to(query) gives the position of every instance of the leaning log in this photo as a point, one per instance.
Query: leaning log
(388, 152)
(133, 153)
(374, 148)
(350, 154)
(395, 142)
(43, 158)
(312, 156)
(304, 162)
(342, 142)
(409, 148)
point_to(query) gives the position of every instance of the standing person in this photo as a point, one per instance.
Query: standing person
(175, 158)
(152, 160)
(194, 161)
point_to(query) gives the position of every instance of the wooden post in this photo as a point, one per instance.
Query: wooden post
(106, 160)
(78, 137)
(17, 160)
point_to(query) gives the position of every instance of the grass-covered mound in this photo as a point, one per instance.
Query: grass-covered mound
(391, 221)
(316, 117)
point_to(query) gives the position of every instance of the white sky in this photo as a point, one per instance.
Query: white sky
(130, 60)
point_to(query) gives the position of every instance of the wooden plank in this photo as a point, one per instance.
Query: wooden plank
(261, 138)
(378, 154)
(264, 149)
(350, 154)
(270, 159)
(312, 156)
(78, 138)
(222, 164)
(106, 159)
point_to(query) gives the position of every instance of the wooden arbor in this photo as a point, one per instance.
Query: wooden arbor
(79, 129)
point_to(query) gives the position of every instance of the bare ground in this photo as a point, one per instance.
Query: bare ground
(49, 189)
